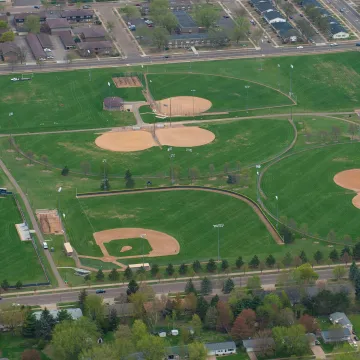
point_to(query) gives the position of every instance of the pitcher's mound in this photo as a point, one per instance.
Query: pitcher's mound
(125, 248)
(350, 179)
(183, 106)
(185, 136)
(125, 141)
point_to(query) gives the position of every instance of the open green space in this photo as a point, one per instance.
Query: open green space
(237, 144)
(307, 193)
(18, 258)
(225, 93)
(139, 246)
(66, 100)
(355, 320)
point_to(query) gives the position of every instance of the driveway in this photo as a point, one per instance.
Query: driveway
(318, 352)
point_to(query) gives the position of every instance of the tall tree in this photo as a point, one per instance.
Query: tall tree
(206, 16)
(70, 338)
(63, 315)
(197, 351)
(254, 262)
(318, 256)
(334, 255)
(202, 307)
(291, 340)
(189, 287)
(160, 37)
(170, 269)
(29, 325)
(228, 286)
(100, 275)
(211, 318)
(82, 297)
(132, 288)
(32, 23)
(356, 251)
(131, 12)
(244, 325)
(303, 257)
(309, 323)
(113, 320)
(114, 275)
(183, 268)
(211, 266)
(270, 261)
(196, 266)
(128, 273)
(239, 262)
(224, 318)
(253, 282)
(129, 181)
(94, 308)
(206, 286)
(353, 271)
(305, 274)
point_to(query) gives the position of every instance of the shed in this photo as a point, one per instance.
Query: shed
(222, 348)
(68, 249)
(113, 103)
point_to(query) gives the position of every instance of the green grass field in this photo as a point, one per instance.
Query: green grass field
(18, 258)
(139, 246)
(225, 93)
(236, 144)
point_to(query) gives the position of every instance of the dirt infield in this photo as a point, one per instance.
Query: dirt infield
(126, 82)
(350, 179)
(162, 244)
(183, 106)
(49, 222)
(125, 141)
(185, 136)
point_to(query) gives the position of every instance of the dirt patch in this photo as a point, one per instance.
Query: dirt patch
(19, 158)
(183, 106)
(125, 248)
(185, 136)
(162, 244)
(350, 179)
(49, 222)
(125, 141)
(126, 82)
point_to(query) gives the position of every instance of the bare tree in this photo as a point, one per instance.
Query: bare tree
(45, 160)
(22, 54)
(30, 155)
(226, 168)
(352, 130)
(85, 167)
(336, 132)
(211, 169)
(256, 35)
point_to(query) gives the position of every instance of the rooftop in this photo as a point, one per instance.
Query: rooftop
(93, 45)
(75, 313)
(258, 343)
(336, 334)
(45, 40)
(221, 345)
(57, 23)
(35, 46)
(77, 13)
(274, 15)
(340, 318)
(184, 19)
(66, 38)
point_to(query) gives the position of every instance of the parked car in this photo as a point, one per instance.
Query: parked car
(301, 15)
(36, 7)
(334, 44)
(100, 291)
(166, 56)
(357, 44)
(226, 16)
(356, 338)
(45, 245)
(300, 47)
(47, 50)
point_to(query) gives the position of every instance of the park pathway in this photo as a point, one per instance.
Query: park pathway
(34, 223)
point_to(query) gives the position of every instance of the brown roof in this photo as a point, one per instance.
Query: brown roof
(95, 45)
(8, 47)
(57, 23)
(35, 46)
(3, 18)
(20, 16)
(93, 32)
(45, 40)
(66, 38)
(113, 102)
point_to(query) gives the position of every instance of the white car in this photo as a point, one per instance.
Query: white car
(47, 50)
(45, 245)
(334, 44)
(300, 47)
(15, 79)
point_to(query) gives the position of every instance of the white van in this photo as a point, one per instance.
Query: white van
(45, 245)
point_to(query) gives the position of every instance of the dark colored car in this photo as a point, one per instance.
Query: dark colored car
(100, 291)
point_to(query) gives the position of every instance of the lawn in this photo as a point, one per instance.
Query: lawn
(355, 320)
(65, 100)
(225, 93)
(239, 356)
(308, 194)
(18, 258)
(237, 144)
(139, 246)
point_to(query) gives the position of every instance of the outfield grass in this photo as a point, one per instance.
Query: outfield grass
(225, 93)
(18, 258)
(308, 194)
(66, 100)
(139, 246)
(237, 144)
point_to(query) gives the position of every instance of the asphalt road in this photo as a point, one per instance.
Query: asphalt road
(159, 288)
(351, 15)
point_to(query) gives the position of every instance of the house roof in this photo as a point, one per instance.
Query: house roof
(66, 38)
(340, 318)
(93, 45)
(3, 18)
(75, 313)
(273, 15)
(220, 345)
(125, 309)
(336, 28)
(93, 32)
(45, 40)
(336, 334)
(184, 19)
(258, 343)
(265, 6)
(23, 16)
(8, 47)
(195, 36)
(283, 28)
(35, 46)
(76, 13)
(58, 23)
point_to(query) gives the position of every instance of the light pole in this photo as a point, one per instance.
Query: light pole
(291, 69)
(104, 180)
(143, 236)
(277, 211)
(172, 156)
(247, 97)
(193, 92)
(257, 185)
(278, 65)
(59, 191)
(218, 226)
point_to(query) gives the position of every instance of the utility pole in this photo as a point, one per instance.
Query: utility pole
(277, 211)
(218, 226)
(247, 97)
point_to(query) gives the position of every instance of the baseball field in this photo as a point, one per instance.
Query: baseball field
(299, 161)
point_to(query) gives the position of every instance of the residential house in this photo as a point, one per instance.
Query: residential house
(122, 310)
(336, 335)
(337, 31)
(259, 345)
(188, 40)
(80, 15)
(58, 25)
(45, 40)
(9, 51)
(186, 24)
(272, 17)
(67, 39)
(75, 313)
(94, 33)
(285, 31)
(341, 319)
(222, 348)
(21, 17)
(35, 47)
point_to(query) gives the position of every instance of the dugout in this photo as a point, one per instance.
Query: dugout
(113, 103)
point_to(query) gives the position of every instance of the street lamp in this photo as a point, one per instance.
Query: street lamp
(291, 69)
(172, 156)
(104, 180)
(278, 65)
(257, 185)
(143, 236)
(218, 226)
(193, 92)
(247, 97)
(277, 211)
(59, 191)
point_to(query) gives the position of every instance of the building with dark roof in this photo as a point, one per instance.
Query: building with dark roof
(45, 40)
(115, 103)
(188, 40)
(336, 335)
(9, 51)
(80, 15)
(259, 344)
(67, 39)
(341, 319)
(57, 25)
(222, 348)
(274, 17)
(93, 33)
(286, 32)
(186, 24)
(35, 47)
(94, 47)
(20, 18)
